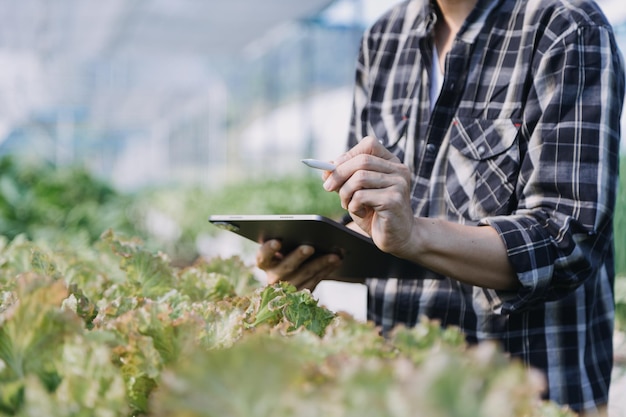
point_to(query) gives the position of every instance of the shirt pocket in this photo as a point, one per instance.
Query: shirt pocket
(482, 167)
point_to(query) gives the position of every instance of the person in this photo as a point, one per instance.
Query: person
(484, 146)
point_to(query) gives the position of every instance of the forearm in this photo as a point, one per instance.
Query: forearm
(474, 255)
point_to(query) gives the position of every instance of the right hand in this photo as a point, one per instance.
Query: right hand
(375, 187)
(295, 267)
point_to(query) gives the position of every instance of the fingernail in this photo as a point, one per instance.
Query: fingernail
(274, 245)
(327, 185)
(306, 250)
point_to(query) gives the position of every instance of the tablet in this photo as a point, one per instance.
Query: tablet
(360, 256)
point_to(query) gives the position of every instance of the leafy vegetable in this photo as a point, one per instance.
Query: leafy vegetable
(96, 323)
(282, 302)
(46, 202)
(113, 329)
(48, 362)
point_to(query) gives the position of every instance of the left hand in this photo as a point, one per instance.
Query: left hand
(374, 186)
(296, 267)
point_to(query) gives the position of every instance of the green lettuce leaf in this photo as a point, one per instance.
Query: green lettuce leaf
(33, 332)
(282, 302)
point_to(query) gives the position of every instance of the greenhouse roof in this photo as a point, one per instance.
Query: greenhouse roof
(121, 27)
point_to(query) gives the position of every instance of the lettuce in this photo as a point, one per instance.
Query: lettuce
(111, 329)
(255, 377)
(283, 302)
(48, 361)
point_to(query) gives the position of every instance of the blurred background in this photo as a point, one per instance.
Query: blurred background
(186, 107)
(200, 100)
(145, 92)
(147, 116)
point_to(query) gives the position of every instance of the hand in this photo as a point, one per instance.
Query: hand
(374, 186)
(296, 267)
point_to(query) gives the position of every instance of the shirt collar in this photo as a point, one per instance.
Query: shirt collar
(476, 20)
(473, 24)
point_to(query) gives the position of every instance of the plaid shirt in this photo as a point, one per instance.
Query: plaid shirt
(525, 138)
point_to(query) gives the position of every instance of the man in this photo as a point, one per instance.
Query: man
(484, 146)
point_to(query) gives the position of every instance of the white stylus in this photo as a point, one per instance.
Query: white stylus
(317, 164)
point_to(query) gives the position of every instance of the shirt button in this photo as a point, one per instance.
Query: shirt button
(481, 150)
(431, 150)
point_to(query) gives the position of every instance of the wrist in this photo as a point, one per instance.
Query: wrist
(414, 244)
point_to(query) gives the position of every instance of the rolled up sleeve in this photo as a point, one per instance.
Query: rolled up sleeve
(561, 233)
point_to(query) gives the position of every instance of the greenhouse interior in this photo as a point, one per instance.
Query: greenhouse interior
(126, 124)
(163, 91)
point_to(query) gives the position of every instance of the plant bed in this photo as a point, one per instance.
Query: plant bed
(112, 329)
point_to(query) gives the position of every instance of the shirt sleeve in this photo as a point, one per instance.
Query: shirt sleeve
(358, 120)
(561, 233)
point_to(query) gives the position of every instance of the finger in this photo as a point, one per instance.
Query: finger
(268, 254)
(315, 271)
(355, 168)
(272, 278)
(379, 200)
(282, 267)
(358, 166)
(291, 262)
(309, 274)
(367, 146)
(365, 180)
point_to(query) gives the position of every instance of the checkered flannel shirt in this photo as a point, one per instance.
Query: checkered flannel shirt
(524, 137)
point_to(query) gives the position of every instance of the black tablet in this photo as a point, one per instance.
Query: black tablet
(361, 257)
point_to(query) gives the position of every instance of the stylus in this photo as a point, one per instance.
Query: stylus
(317, 164)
